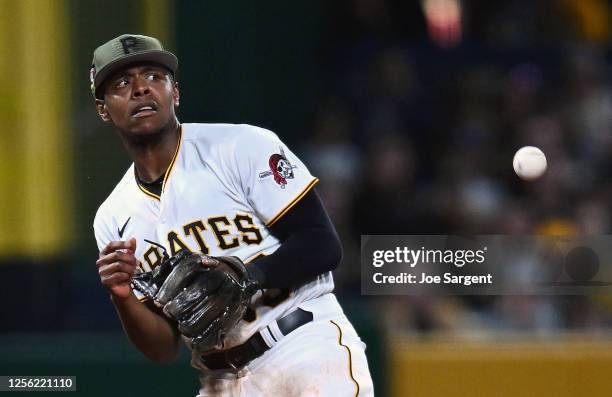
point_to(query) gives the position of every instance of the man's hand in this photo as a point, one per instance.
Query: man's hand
(116, 266)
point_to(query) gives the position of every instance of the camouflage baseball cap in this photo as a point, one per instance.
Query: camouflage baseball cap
(126, 49)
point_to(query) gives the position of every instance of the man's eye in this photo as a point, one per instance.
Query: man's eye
(153, 77)
(122, 83)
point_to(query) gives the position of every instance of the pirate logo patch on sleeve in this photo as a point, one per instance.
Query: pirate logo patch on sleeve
(280, 168)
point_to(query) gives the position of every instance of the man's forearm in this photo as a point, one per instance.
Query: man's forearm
(309, 246)
(302, 256)
(152, 334)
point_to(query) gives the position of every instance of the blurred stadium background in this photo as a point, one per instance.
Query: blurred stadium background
(408, 111)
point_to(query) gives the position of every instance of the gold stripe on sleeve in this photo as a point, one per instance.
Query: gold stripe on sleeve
(252, 258)
(292, 203)
(349, 356)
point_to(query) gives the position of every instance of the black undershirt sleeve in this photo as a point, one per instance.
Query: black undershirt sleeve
(309, 246)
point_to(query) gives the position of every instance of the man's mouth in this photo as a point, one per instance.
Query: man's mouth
(144, 111)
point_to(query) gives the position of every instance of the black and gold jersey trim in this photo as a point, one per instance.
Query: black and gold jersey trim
(256, 256)
(148, 193)
(168, 171)
(349, 356)
(171, 166)
(292, 203)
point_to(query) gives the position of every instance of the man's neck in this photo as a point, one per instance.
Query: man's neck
(152, 154)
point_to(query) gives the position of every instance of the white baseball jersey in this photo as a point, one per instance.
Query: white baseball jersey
(225, 185)
(325, 357)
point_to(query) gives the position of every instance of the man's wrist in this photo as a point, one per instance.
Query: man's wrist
(255, 273)
(120, 300)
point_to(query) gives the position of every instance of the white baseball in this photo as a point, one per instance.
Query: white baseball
(529, 163)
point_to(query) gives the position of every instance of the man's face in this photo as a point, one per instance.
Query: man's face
(139, 99)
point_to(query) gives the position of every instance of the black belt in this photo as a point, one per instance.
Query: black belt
(239, 356)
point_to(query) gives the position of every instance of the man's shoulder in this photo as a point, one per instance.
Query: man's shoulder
(117, 197)
(223, 133)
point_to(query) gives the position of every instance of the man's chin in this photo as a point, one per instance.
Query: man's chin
(145, 131)
(146, 127)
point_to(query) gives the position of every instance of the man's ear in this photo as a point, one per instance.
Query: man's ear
(176, 94)
(102, 110)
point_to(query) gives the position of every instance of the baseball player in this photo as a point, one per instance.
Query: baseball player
(222, 190)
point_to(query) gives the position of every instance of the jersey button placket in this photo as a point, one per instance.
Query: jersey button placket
(162, 220)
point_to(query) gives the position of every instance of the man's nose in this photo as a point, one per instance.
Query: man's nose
(140, 87)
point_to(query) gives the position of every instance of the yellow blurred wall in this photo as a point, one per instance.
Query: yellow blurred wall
(35, 145)
(158, 19)
(501, 369)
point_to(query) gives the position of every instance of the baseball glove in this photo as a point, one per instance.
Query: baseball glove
(206, 296)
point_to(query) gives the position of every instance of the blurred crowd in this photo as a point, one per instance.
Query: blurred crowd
(423, 106)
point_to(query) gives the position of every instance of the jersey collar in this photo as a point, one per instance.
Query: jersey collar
(166, 174)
